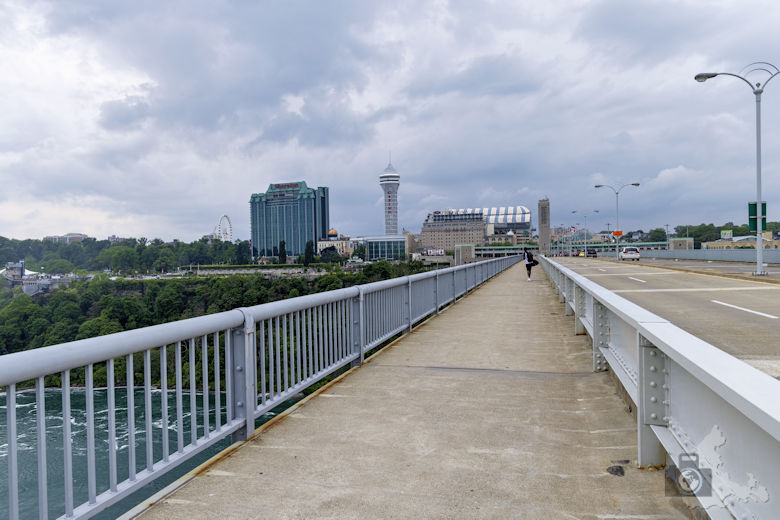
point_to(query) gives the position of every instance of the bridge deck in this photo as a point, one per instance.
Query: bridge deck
(489, 410)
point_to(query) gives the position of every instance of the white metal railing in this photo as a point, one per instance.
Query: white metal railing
(709, 412)
(215, 375)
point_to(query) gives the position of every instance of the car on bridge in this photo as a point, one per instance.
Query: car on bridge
(629, 253)
(591, 253)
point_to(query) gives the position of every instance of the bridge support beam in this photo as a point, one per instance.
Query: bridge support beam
(579, 310)
(652, 405)
(600, 335)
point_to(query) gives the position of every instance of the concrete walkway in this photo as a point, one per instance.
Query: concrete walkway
(489, 410)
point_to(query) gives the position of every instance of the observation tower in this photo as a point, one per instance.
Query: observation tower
(389, 181)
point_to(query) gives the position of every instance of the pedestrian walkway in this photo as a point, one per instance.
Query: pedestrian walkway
(489, 410)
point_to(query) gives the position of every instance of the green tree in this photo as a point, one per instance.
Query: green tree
(166, 260)
(308, 255)
(282, 252)
(657, 235)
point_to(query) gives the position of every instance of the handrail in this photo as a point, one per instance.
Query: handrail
(214, 376)
(691, 398)
(31, 364)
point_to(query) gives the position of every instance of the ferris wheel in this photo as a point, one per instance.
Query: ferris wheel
(224, 229)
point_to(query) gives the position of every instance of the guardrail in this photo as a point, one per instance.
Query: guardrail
(716, 417)
(251, 360)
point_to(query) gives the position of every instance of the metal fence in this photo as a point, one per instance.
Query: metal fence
(204, 379)
(712, 414)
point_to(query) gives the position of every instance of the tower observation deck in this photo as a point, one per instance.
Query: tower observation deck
(389, 181)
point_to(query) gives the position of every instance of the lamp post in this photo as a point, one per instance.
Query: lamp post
(758, 89)
(667, 236)
(617, 215)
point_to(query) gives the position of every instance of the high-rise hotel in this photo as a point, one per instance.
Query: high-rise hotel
(289, 211)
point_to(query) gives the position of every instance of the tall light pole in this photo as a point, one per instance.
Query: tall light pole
(667, 236)
(758, 89)
(617, 214)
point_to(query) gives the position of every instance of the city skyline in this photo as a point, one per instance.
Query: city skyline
(145, 120)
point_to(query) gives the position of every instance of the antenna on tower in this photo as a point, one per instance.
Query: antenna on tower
(390, 157)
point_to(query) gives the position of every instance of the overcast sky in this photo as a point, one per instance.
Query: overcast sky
(153, 118)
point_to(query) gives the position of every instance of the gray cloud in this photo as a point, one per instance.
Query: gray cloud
(167, 115)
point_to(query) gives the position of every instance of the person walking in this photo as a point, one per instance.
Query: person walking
(528, 257)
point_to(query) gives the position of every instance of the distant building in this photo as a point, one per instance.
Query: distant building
(499, 220)
(444, 229)
(389, 181)
(290, 212)
(385, 247)
(115, 239)
(680, 243)
(746, 242)
(343, 245)
(543, 225)
(68, 238)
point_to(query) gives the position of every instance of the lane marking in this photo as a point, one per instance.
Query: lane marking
(602, 270)
(637, 279)
(639, 274)
(746, 310)
(698, 289)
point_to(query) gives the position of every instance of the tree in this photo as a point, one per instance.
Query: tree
(308, 255)
(657, 235)
(360, 251)
(166, 260)
(330, 255)
(282, 253)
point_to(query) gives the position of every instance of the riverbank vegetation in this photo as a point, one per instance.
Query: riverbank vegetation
(104, 306)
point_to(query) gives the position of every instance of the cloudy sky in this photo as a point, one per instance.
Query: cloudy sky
(154, 118)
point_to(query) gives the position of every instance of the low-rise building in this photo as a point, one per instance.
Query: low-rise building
(746, 242)
(385, 247)
(67, 238)
(445, 229)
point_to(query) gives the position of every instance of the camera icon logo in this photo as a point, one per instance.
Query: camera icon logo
(689, 478)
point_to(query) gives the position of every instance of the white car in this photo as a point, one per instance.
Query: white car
(629, 253)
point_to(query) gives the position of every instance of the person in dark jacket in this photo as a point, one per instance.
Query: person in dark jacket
(529, 260)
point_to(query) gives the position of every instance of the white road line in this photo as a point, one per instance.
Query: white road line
(637, 279)
(602, 270)
(640, 274)
(746, 310)
(700, 289)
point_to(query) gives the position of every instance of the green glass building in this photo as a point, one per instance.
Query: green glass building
(289, 211)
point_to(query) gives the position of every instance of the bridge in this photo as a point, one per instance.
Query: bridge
(496, 398)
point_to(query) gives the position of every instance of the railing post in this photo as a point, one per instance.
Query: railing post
(579, 310)
(409, 302)
(600, 335)
(358, 332)
(652, 405)
(567, 291)
(436, 293)
(244, 380)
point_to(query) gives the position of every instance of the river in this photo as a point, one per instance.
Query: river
(27, 440)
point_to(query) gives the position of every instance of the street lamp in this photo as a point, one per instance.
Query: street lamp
(617, 215)
(758, 89)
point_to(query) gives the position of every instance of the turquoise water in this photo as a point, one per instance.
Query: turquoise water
(27, 439)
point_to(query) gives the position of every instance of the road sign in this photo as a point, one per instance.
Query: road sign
(617, 233)
(752, 216)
